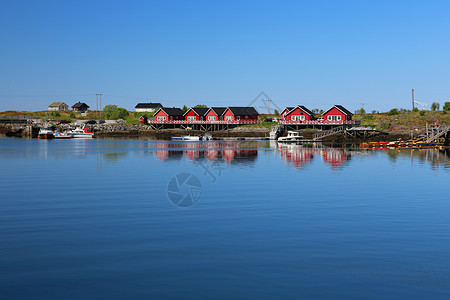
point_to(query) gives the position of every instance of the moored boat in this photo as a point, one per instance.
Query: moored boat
(292, 136)
(45, 134)
(83, 133)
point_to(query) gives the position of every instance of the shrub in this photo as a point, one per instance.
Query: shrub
(119, 113)
(108, 111)
(446, 106)
(72, 115)
(422, 113)
(393, 112)
(415, 109)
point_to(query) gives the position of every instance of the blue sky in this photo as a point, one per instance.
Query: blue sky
(314, 53)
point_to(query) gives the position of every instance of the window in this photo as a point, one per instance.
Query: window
(161, 118)
(228, 118)
(211, 118)
(334, 118)
(238, 118)
(298, 118)
(191, 118)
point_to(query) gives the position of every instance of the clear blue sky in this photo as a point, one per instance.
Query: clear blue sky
(315, 53)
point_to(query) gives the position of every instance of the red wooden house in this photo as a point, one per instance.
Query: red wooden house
(297, 113)
(337, 113)
(196, 114)
(215, 114)
(169, 114)
(240, 114)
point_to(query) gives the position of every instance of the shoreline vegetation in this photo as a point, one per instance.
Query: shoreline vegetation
(396, 123)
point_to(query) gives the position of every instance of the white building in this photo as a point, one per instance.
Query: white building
(147, 107)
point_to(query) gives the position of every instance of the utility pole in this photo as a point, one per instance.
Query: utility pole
(268, 105)
(96, 104)
(100, 102)
(412, 92)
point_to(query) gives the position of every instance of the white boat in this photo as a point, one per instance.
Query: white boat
(83, 133)
(45, 134)
(292, 136)
(206, 137)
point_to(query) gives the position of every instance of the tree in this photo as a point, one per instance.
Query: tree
(108, 110)
(415, 109)
(119, 113)
(360, 111)
(201, 106)
(276, 112)
(315, 111)
(374, 112)
(184, 109)
(435, 106)
(393, 112)
(446, 106)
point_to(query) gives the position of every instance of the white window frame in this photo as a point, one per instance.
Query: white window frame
(161, 118)
(228, 118)
(298, 118)
(211, 118)
(191, 118)
(334, 117)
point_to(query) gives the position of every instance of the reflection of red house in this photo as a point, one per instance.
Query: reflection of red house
(169, 114)
(240, 114)
(335, 158)
(299, 157)
(196, 114)
(229, 154)
(298, 113)
(215, 113)
(337, 113)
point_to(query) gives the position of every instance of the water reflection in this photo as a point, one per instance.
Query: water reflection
(230, 152)
(236, 152)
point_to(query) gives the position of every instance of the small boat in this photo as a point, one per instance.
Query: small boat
(293, 136)
(205, 137)
(83, 133)
(45, 134)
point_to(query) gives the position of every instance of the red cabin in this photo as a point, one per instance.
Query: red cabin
(169, 114)
(215, 114)
(196, 114)
(337, 113)
(240, 114)
(298, 113)
(143, 120)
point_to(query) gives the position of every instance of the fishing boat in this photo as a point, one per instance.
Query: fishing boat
(45, 134)
(81, 133)
(292, 136)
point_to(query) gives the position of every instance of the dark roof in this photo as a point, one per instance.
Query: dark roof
(172, 111)
(79, 104)
(148, 105)
(341, 108)
(289, 108)
(242, 110)
(201, 111)
(218, 110)
(306, 110)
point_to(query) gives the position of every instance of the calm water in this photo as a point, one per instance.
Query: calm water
(151, 220)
